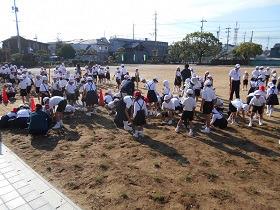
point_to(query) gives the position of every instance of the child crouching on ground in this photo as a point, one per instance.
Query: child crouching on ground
(139, 114)
(189, 105)
(218, 119)
(257, 102)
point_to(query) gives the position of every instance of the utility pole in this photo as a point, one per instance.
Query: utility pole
(155, 26)
(228, 31)
(267, 43)
(202, 24)
(133, 31)
(15, 8)
(244, 37)
(218, 33)
(235, 34)
(251, 40)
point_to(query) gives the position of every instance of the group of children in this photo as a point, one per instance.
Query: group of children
(129, 105)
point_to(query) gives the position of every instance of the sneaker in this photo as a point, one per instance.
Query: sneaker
(206, 130)
(57, 126)
(128, 128)
(177, 129)
(190, 133)
(88, 114)
(260, 123)
(203, 127)
(232, 122)
(250, 124)
(136, 135)
(169, 122)
(158, 114)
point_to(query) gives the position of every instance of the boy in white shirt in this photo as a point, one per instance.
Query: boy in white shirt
(189, 105)
(258, 103)
(23, 89)
(168, 109)
(70, 91)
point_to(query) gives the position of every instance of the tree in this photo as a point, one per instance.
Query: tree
(66, 51)
(42, 55)
(247, 50)
(119, 54)
(202, 44)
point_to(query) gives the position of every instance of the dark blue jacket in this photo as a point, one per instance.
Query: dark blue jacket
(39, 122)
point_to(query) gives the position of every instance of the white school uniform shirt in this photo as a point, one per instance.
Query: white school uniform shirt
(23, 113)
(257, 101)
(170, 105)
(70, 88)
(267, 72)
(108, 99)
(12, 76)
(166, 91)
(208, 94)
(151, 85)
(255, 73)
(197, 85)
(178, 74)
(136, 107)
(188, 103)
(11, 114)
(22, 84)
(28, 81)
(53, 101)
(128, 101)
(63, 83)
(56, 86)
(38, 82)
(101, 71)
(44, 87)
(271, 91)
(216, 115)
(95, 71)
(123, 71)
(234, 74)
(90, 87)
(118, 74)
(176, 102)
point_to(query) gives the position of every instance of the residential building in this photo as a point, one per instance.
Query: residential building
(275, 51)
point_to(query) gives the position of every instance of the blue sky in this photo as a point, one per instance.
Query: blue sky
(88, 19)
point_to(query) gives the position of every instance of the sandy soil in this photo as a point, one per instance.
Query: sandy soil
(102, 167)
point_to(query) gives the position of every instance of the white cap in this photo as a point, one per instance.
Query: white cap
(261, 67)
(189, 91)
(187, 80)
(117, 95)
(167, 97)
(270, 84)
(237, 66)
(45, 99)
(89, 79)
(268, 68)
(219, 102)
(126, 76)
(194, 80)
(109, 92)
(45, 78)
(257, 93)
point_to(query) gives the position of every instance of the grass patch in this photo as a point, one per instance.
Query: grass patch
(189, 178)
(205, 163)
(99, 180)
(159, 198)
(104, 166)
(252, 191)
(124, 196)
(242, 174)
(221, 194)
(212, 177)
(109, 146)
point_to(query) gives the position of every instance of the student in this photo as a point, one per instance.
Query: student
(253, 85)
(140, 113)
(196, 87)
(168, 109)
(11, 93)
(61, 103)
(274, 77)
(22, 86)
(29, 84)
(101, 75)
(107, 75)
(218, 120)
(22, 118)
(234, 81)
(267, 73)
(137, 77)
(118, 76)
(208, 96)
(5, 120)
(123, 71)
(123, 116)
(90, 96)
(151, 95)
(108, 97)
(245, 80)
(56, 88)
(39, 122)
(235, 107)
(37, 83)
(255, 72)
(257, 102)
(70, 90)
(127, 87)
(187, 117)
(44, 89)
(178, 80)
(271, 98)
(166, 88)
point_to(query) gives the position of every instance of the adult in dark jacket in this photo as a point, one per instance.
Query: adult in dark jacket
(186, 73)
(128, 87)
(39, 122)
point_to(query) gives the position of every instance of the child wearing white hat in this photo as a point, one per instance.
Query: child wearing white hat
(257, 102)
(271, 98)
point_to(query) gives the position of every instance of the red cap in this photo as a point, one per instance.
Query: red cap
(14, 110)
(137, 94)
(262, 88)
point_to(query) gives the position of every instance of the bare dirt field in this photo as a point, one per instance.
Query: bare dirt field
(102, 167)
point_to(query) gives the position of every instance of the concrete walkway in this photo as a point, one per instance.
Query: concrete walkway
(21, 188)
